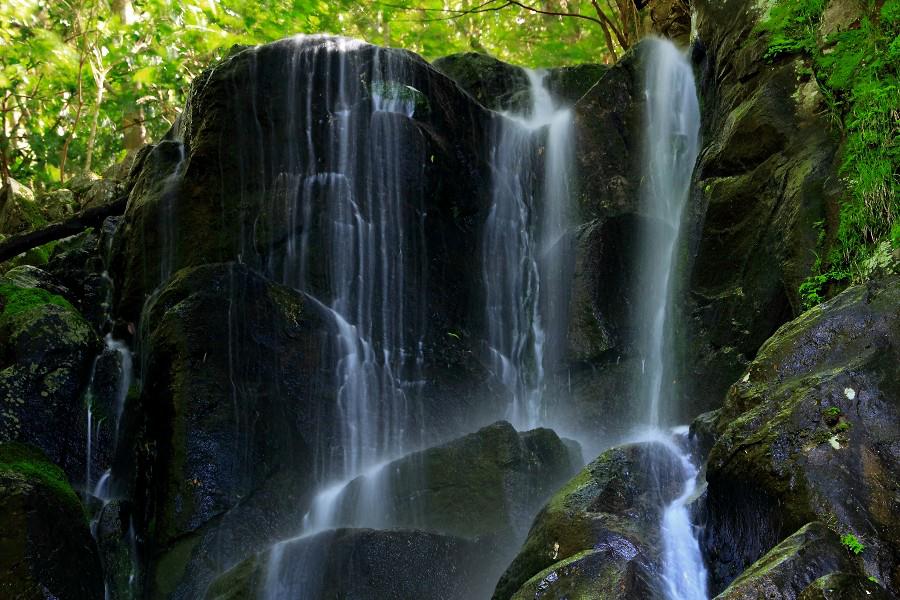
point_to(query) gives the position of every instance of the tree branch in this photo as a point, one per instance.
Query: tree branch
(92, 217)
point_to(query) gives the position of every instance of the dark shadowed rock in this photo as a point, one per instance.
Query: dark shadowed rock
(788, 568)
(844, 586)
(814, 424)
(363, 564)
(46, 548)
(495, 84)
(224, 433)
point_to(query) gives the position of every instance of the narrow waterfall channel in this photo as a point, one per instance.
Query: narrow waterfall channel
(671, 145)
(525, 254)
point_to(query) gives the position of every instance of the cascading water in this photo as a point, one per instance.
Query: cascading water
(374, 273)
(525, 250)
(671, 144)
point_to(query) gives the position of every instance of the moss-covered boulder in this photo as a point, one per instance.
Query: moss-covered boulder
(844, 586)
(814, 423)
(46, 350)
(362, 564)
(235, 404)
(46, 548)
(486, 484)
(19, 212)
(787, 569)
(601, 528)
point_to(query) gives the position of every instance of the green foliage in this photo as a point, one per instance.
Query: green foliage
(852, 543)
(74, 76)
(857, 71)
(15, 300)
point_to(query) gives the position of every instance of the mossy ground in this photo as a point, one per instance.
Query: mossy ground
(857, 72)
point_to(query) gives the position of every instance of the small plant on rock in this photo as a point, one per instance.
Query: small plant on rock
(852, 543)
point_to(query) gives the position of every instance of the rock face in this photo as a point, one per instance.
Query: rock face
(19, 212)
(364, 565)
(494, 83)
(599, 534)
(46, 350)
(765, 176)
(813, 424)
(46, 549)
(844, 586)
(485, 485)
(225, 429)
(788, 568)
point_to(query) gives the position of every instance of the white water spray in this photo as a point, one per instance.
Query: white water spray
(670, 150)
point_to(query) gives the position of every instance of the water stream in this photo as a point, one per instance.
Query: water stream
(671, 142)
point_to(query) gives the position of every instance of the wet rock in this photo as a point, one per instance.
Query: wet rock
(495, 84)
(844, 586)
(488, 483)
(234, 406)
(814, 424)
(46, 351)
(568, 85)
(767, 173)
(28, 276)
(383, 564)
(115, 542)
(601, 528)
(788, 568)
(46, 548)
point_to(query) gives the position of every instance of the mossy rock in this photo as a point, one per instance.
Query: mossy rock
(844, 586)
(46, 548)
(494, 83)
(487, 484)
(19, 212)
(46, 350)
(613, 506)
(788, 568)
(813, 423)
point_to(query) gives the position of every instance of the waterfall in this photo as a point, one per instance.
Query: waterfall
(670, 150)
(525, 254)
(357, 174)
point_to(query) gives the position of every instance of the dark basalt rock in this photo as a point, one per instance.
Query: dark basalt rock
(814, 424)
(364, 564)
(600, 533)
(495, 84)
(46, 548)
(223, 436)
(788, 568)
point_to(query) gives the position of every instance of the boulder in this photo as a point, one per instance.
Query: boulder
(787, 569)
(844, 586)
(46, 351)
(486, 484)
(234, 407)
(814, 424)
(362, 564)
(46, 548)
(601, 529)
(495, 84)
(19, 212)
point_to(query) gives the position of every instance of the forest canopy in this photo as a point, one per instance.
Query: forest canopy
(83, 81)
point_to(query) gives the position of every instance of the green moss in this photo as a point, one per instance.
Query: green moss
(31, 463)
(15, 300)
(857, 72)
